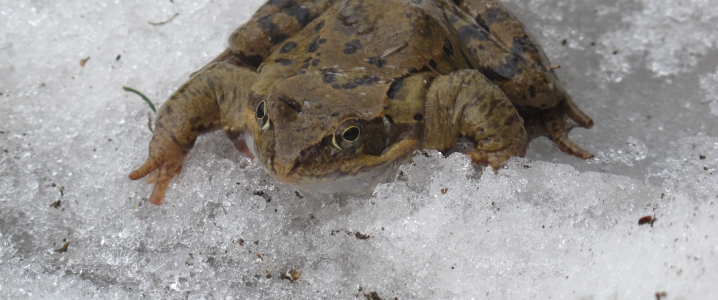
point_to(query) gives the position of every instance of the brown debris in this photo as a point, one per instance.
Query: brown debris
(647, 220)
(163, 22)
(63, 248)
(56, 204)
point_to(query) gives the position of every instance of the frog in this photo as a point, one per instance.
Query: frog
(332, 96)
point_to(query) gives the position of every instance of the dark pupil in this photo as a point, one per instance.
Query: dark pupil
(260, 110)
(351, 134)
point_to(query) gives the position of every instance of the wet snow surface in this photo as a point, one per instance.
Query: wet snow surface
(546, 226)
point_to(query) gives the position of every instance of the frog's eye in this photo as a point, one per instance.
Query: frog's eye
(348, 135)
(261, 114)
(351, 134)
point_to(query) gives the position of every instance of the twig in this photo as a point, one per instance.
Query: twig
(163, 22)
(426, 64)
(394, 50)
(129, 89)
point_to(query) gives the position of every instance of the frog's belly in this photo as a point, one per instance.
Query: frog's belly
(360, 184)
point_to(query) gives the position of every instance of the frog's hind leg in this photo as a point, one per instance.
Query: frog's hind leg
(269, 26)
(466, 104)
(515, 63)
(504, 26)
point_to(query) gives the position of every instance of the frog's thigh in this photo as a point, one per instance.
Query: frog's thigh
(271, 25)
(479, 111)
(503, 25)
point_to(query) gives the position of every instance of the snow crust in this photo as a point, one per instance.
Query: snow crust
(545, 226)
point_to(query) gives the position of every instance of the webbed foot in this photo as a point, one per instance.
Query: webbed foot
(165, 160)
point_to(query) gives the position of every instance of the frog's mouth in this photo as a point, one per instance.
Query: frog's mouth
(356, 176)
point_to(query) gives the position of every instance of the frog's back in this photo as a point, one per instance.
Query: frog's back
(376, 39)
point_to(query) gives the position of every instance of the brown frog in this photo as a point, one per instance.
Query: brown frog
(332, 95)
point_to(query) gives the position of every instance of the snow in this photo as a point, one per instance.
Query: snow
(546, 226)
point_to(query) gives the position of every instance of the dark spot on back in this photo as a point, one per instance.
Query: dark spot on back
(418, 117)
(322, 41)
(270, 29)
(288, 47)
(395, 87)
(265, 23)
(315, 62)
(366, 79)
(336, 86)
(306, 63)
(313, 46)
(532, 91)
(448, 48)
(335, 114)
(491, 16)
(470, 33)
(328, 75)
(505, 71)
(349, 85)
(412, 70)
(377, 61)
(319, 26)
(282, 3)
(301, 13)
(352, 47)
(522, 45)
(284, 62)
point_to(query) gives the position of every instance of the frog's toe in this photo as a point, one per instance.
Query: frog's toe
(576, 114)
(159, 169)
(567, 146)
(148, 167)
(556, 129)
(164, 175)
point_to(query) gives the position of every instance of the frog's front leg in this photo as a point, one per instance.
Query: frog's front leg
(465, 103)
(212, 99)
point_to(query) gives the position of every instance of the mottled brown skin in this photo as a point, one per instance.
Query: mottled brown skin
(332, 95)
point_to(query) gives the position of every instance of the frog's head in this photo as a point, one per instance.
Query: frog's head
(326, 139)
